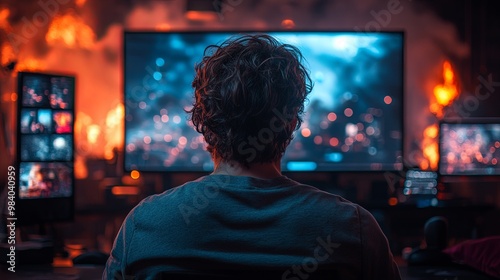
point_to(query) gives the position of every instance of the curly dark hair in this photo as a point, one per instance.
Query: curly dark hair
(249, 98)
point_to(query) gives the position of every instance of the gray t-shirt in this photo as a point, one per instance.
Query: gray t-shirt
(220, 222)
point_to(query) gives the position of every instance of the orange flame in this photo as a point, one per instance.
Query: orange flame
(30, 64)
(431, 131)
(444, 93)
(81, 171)
(8, 54)
(114, 130)
(81, 126)
(430, 148)
(71, 31)
(80, 3)
(4, 15)
(95, 134)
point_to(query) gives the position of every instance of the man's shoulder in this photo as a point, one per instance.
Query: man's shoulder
(324, 195)
(174, 193)
(208, 186)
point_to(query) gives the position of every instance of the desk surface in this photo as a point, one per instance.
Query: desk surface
(95, 272)
(52, 273)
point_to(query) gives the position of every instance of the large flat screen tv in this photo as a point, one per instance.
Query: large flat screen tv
(469, 147)
(353, 118)
(45, 147)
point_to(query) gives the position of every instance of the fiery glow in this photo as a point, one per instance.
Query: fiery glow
(80, 3)
(93, 132)
(201, 16)
(432, 156)
(101, 139)
(446, 92)
(81, 171)
(430, 148)
(109, 154)
(4, 15)
(71, 31)
(82, 121)
(114, 130)
(29, 65)
(288, 23)
(163, 27)
(444, 95)
(8, 54)
(431, 131)
(115, 116)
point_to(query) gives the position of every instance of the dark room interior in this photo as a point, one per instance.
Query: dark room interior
(403, 119)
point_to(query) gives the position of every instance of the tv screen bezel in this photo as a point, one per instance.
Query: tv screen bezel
(41, 210)
(479, 121)
(261, 31)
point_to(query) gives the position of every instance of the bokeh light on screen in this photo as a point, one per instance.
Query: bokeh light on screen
(469, 149)
(353, 116)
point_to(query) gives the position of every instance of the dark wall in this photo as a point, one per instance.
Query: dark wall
(478, 24)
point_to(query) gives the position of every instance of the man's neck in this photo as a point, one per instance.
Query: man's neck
(259, 170)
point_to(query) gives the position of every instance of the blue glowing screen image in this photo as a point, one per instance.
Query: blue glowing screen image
(353, 116)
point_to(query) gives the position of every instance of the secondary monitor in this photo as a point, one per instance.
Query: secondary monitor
(45, 147)
(469, 147)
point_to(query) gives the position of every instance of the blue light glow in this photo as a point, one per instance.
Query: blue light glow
(334, 157)
(157, 75)
(301, 165)
(160, 62)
